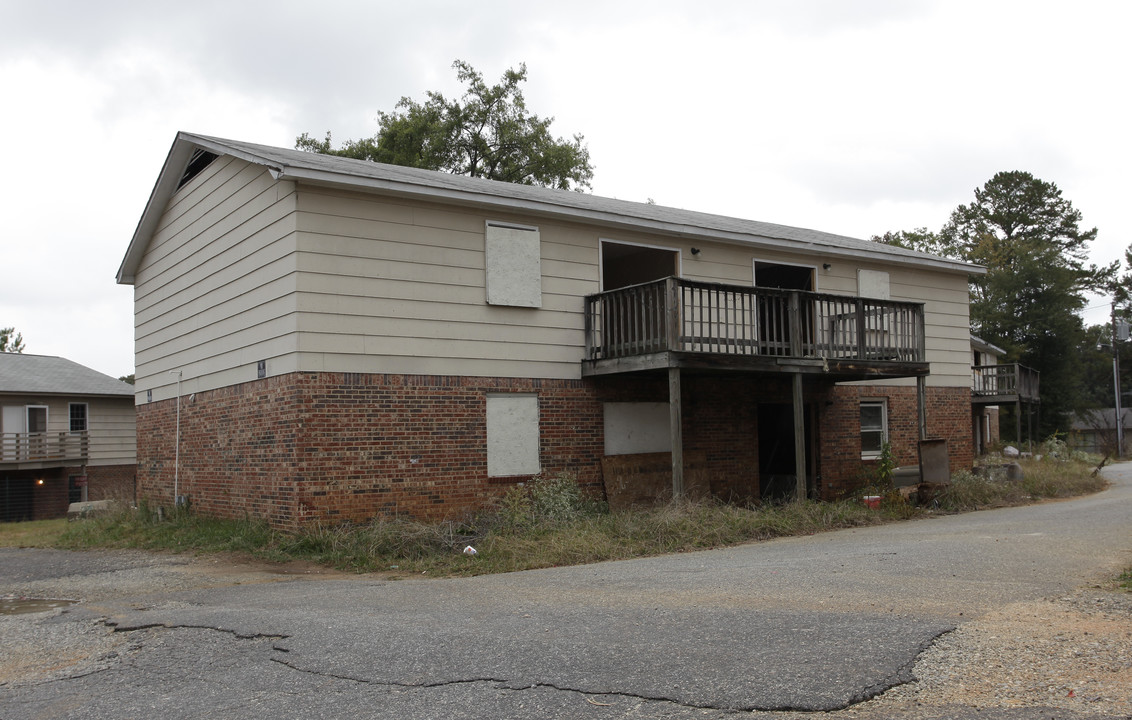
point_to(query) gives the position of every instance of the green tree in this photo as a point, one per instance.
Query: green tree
(920, 239)
(11, 341)
(487, 133)
(1029, 238)
(127, 378)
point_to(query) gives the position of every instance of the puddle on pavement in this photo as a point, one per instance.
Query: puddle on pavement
(19, 606)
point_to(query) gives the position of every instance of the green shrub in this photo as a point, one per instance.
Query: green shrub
(547, 500)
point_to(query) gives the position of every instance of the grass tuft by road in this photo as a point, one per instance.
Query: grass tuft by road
(547, 522)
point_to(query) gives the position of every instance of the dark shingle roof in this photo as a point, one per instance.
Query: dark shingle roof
(445, 187)
(44, 374)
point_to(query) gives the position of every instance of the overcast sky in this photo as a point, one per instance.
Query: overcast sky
(853, 117)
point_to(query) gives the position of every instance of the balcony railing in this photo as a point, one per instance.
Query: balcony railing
(677, 315)
(1008, 382)
(42, 447)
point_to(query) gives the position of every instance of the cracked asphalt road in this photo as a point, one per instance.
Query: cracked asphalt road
(772, 629)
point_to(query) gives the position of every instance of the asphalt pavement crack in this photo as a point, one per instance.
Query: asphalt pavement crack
(511, 685)
(117, 627)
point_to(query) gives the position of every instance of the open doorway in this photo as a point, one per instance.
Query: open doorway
(777, 474)
(773, 313)
(624, 264)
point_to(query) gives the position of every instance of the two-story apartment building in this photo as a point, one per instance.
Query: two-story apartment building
(66, 435)
(354, 338)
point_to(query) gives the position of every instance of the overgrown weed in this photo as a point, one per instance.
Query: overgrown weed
(551, 522)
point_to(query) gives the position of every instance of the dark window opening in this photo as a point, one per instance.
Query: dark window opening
(78, 417)
(785, 277)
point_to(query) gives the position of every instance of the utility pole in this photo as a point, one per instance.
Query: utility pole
(1116, 385)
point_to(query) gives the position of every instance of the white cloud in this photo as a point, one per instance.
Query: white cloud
(854, 118)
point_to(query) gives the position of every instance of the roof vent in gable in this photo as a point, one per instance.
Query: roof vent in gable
(199, 161)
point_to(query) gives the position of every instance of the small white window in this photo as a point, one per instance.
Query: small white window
(78, 417)
(512, 435)
(512, 257)
(874, 427)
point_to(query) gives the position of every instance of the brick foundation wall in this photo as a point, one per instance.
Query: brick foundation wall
(346, 447)
(112, 482)
(27, 499)
(948, 415)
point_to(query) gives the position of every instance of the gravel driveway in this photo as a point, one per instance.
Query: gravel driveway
(1007, 611)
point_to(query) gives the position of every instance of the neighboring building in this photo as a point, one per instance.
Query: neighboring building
(993, 384)
(1094, 431)
(66, 435)
(355, 338)
(984, 418)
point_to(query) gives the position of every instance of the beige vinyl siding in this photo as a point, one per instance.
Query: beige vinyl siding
(215, 291)
(399, 287)
(392, 285)
(111, 432)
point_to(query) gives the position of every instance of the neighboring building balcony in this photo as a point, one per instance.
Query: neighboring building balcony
(20, 451)
(678, 323)
(1005, 383)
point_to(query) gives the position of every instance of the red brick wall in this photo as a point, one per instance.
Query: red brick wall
(948, 415)
(346, 447)
(111, 482)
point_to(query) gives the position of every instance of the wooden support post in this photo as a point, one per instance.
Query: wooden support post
(799, 440)
(795, 324)
(1030, 427)
(922, 405)
(1018, 422)
(676, 433)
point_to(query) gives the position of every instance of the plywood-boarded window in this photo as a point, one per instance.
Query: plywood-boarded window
(873, 284)
(636, 428)
(513, 260)
(512, 435)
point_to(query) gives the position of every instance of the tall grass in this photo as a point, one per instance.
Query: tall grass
(551, 522)
(1042, 480)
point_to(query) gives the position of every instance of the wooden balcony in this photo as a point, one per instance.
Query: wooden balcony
(1002, 384)
(20, 451)
(678, 323)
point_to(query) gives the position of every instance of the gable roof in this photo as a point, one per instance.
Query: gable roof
(984, 346)
(1101, 419)
(49, 375)
(462, 190)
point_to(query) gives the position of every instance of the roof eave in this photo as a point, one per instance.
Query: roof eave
(628, 222)
(184, 144)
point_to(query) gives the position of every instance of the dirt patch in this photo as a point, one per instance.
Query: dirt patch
(1072, 653)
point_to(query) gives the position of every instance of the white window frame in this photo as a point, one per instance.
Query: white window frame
(71, 417)
(882, 403)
